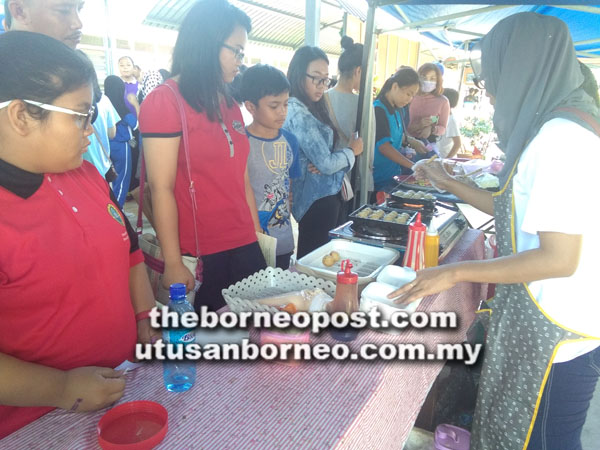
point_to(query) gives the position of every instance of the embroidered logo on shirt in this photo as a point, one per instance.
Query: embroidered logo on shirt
(239, 127)
(114, 213)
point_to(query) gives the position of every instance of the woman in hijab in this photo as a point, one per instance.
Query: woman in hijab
(542, 350)
(120, 148)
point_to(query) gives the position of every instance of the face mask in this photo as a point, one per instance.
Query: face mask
(428, 86)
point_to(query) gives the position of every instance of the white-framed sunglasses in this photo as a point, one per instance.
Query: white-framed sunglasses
(84, 120)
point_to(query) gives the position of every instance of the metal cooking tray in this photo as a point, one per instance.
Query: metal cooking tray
(417, 204)
(379, 226)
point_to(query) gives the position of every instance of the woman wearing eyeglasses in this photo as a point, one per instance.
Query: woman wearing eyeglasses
(71, 276)
(316, 203)
(207, 56)
(542, 350)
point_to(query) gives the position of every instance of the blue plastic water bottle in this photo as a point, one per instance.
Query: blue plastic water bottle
(179, 376)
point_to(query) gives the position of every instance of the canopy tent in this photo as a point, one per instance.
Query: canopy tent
(457, 26)
(454, 24)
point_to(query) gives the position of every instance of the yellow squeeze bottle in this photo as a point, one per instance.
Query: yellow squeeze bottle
(432, 247)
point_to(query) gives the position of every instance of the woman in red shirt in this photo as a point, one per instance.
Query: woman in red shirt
(207, 56)
(72, 279)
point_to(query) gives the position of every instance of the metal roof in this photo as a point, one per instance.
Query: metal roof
(274, 22)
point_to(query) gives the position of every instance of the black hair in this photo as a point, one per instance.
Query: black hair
(45, 69)
(590, 85)
(95, 84)
(129, 58)
(235, 87)
(406, 76)
(452, 96)
(114, 89)
(297, 77)
(262, 80)
(7, 15)
(351, 57)
(165, 74)
(439, 84)
(196, 55)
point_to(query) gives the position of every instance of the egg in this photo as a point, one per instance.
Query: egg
(335, 255)
(328, 260)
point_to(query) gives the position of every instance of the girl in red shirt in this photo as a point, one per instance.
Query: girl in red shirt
(72, 279)
(207, 56)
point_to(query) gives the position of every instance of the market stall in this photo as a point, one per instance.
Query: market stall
(267, 405)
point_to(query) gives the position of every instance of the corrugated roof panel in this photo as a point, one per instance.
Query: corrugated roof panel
(278, 22)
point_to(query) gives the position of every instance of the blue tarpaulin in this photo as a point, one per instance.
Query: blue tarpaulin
(582, 20)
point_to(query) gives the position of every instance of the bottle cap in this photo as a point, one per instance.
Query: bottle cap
(432, 230)
(346, 276)
(417, 225)
(177, 291)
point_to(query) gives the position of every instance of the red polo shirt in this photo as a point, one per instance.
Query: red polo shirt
(223, 221)
(64, 275)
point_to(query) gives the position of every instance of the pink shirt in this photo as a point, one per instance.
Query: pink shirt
(429, 105)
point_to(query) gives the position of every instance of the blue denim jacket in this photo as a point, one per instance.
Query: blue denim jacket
(316, 144)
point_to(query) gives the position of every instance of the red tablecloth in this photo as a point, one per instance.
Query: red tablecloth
(260, 405)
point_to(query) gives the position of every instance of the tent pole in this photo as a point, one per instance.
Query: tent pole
(313, 22)
(365, 102)
(108, 41)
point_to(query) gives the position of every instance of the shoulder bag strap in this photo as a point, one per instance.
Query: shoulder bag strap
(586, 117)
(101, 144)
(186, 149)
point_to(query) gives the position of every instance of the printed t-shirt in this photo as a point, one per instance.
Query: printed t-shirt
(223, 220)
(543, 204)
(64, 275)
(271, 164)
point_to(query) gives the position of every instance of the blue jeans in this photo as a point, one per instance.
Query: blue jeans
(566, 399)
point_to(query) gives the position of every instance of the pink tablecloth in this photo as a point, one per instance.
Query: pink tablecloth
(317, 405)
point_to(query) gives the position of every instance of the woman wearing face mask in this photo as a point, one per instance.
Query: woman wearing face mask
(316, 201)
(430, 110)
(542, 349)
(72, 279)
(390, 136)
(207, 57)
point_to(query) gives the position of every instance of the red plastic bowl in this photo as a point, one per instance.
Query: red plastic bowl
(133, 426)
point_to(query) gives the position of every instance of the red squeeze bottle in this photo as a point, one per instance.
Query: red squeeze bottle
(345, 300)
(414, 255)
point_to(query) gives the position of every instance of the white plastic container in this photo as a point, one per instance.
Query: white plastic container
(375, 294)
(366, 260)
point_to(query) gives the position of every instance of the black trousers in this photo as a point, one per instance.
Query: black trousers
(313, 228)
(220, 270)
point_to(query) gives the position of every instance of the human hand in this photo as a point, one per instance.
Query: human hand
(356, 145)
(425, 122)
(146, 334)
(419, 146)
(91, 388)
(178, 273)
(428, 281)
(434, 172)
(311, 169)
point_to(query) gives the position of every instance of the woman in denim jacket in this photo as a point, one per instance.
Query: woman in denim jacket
(316, 202)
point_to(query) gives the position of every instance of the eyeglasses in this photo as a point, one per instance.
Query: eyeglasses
(479, 83)
(239, 54)
(475, 60)
(318, 81)
(83, 120)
